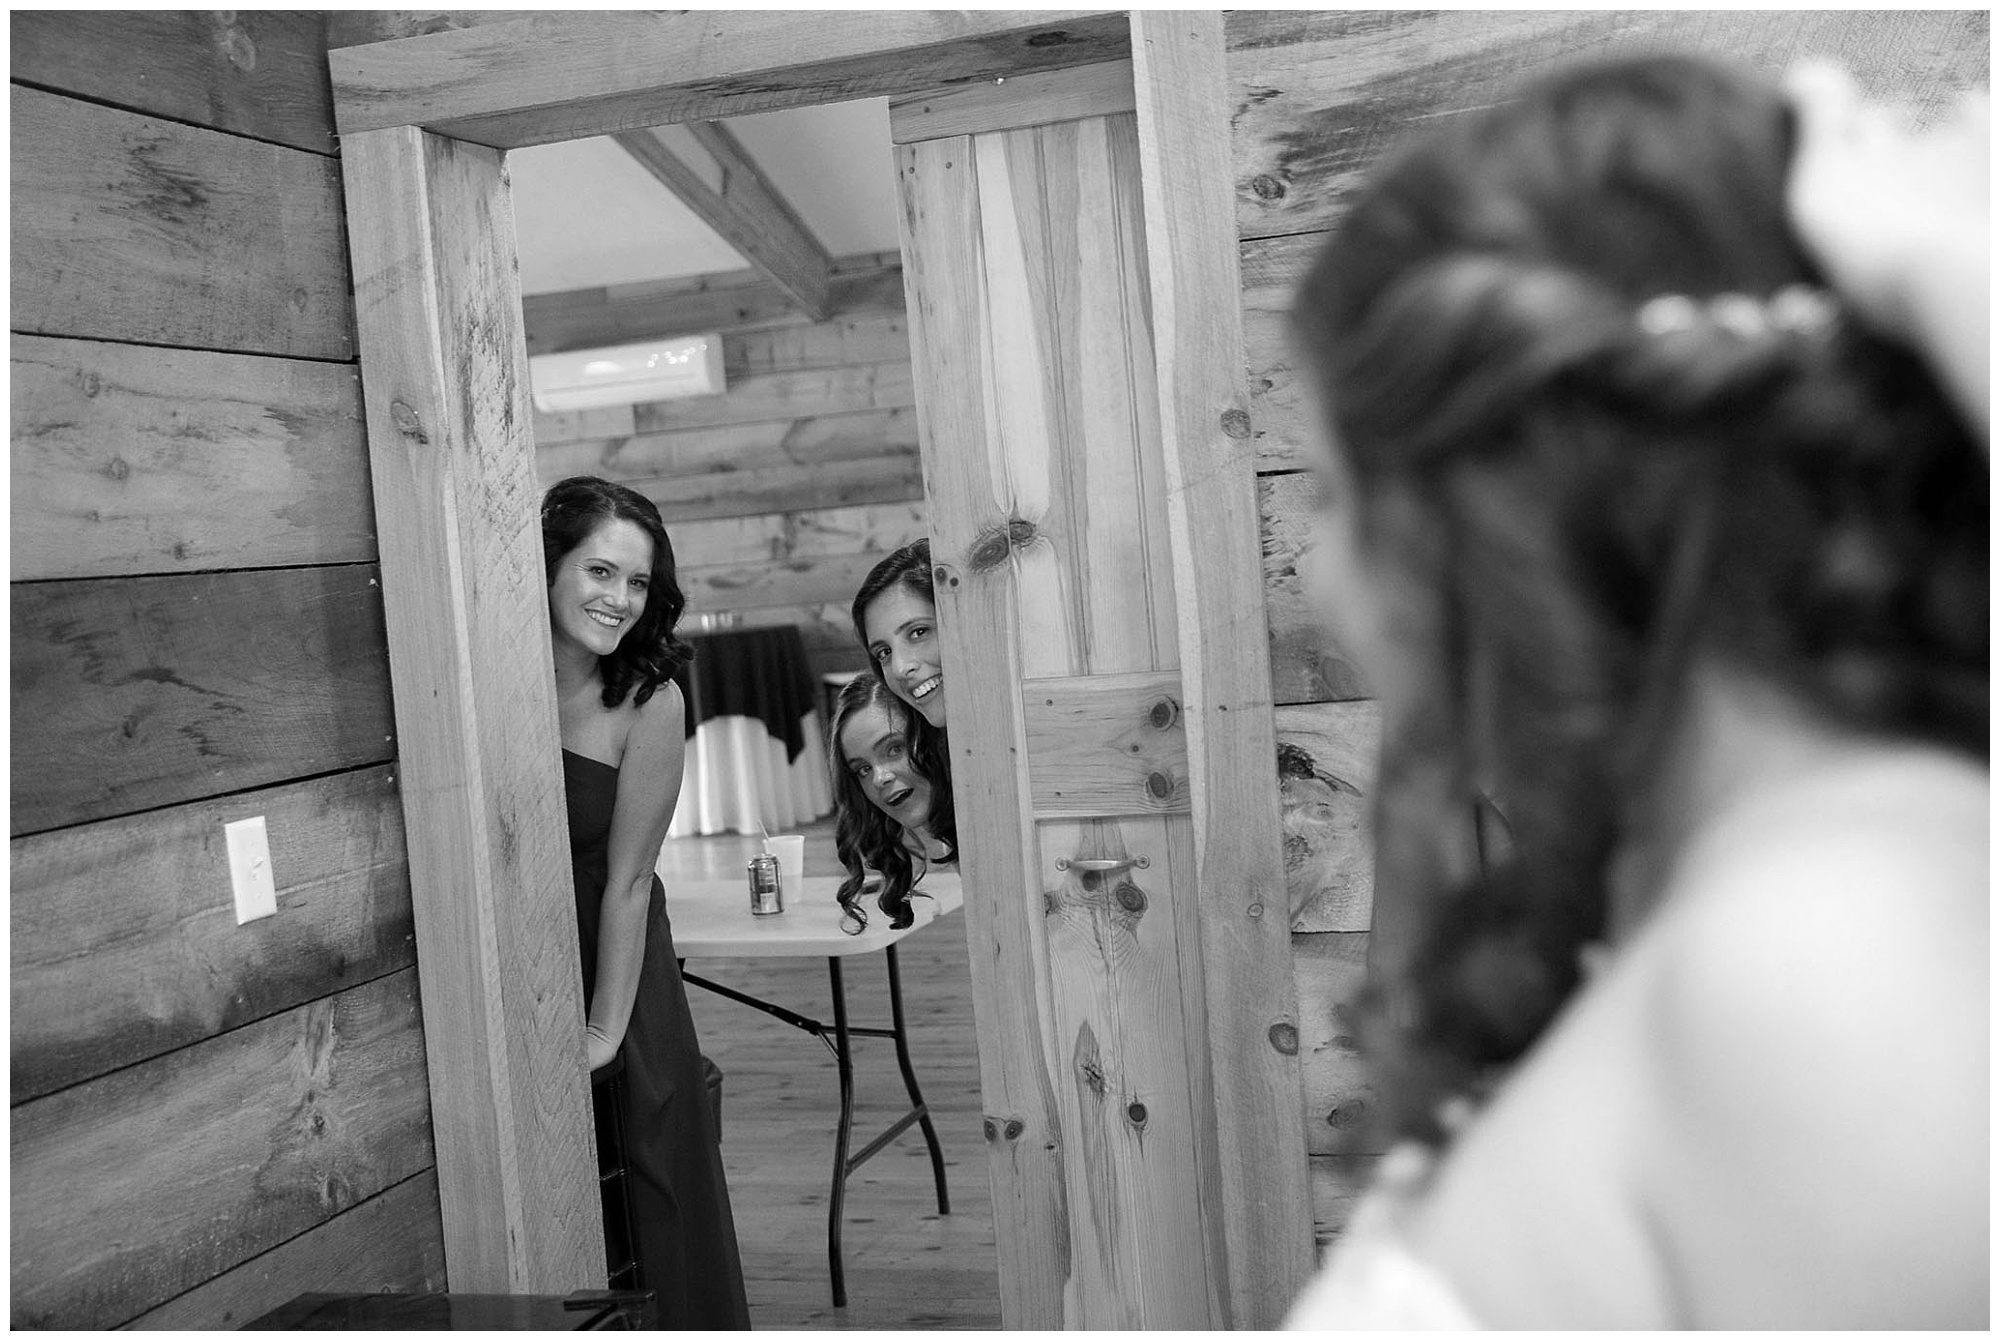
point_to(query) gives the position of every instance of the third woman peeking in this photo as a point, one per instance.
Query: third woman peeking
(894, 820)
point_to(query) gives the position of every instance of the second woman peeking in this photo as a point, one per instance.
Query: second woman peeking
(895, 617)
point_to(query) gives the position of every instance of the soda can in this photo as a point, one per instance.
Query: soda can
(767, 894)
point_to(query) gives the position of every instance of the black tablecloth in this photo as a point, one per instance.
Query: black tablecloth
(755, 757)
(759, 673)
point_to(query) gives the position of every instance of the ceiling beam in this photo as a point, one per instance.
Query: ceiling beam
(737, 300)
(566, 75)
(742, 207)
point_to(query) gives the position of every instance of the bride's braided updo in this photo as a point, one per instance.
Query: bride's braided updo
(1601, 417)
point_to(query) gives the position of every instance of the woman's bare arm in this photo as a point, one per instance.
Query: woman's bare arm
(649, 785)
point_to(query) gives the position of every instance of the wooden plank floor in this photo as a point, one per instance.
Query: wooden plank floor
(907, 1266)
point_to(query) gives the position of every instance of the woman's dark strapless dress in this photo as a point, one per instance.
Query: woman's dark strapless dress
(685, 1234)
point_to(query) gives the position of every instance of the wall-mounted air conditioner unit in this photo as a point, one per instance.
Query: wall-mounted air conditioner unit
(583, 379)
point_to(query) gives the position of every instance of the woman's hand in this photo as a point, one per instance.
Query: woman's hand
(599, 1047)
(1900, 220)
(1879, 203)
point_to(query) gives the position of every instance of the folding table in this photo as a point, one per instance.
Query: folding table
(712, 919)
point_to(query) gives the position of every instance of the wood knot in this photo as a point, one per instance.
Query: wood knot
(1236, 423)
(1285, 1038)
(1137, 1112)
(1055, 37)
(1160, 786)
(408, 424)
(1163, 714)
(1346, 1115)
(1014, 1128)
(1267, 187)
(1130, 897)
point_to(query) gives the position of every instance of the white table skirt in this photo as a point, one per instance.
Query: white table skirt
(736, 773)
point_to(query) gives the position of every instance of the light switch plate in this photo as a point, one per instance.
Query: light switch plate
(250, 869)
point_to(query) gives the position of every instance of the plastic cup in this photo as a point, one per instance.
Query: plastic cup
(790, 850)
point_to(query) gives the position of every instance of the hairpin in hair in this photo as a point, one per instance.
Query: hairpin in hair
(1796, 309)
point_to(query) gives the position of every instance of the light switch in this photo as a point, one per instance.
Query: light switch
(250, 869)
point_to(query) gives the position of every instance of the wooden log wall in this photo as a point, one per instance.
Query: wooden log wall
(207, 1118)
(1317, 98)
(781, 492)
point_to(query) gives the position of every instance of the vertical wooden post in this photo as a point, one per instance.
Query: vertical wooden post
(456, 505)
(1033, 347)
(1183, 102)
(948, 340)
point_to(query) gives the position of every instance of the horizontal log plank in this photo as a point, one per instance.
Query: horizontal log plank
(1306, 666)
(741, 493)
(860, 337)
(390, 1243)
(130, 1189)
(862, 285)
(123, 938)
(593, 425)
(358, 27)
(1338, 1182)
(140, 692)
(872, 529)
(784, 395)
(1319, 96)
(1327, 756)
(126, 227)
(1106, 745)
(1025, 100)
(828, 579)
(559, 77)
(129, 459)
(1282, 423)
(260, 73)
(1329, 969)
(816, 440)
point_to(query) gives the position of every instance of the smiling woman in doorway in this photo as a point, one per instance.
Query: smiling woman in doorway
(613, 604)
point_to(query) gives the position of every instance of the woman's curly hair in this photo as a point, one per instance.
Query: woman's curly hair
(865, 838)
(650, 654)
(1577, 502)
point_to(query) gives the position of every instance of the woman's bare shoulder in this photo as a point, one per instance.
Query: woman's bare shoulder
(1816, 990)
(655, 728)
(1880, 870)
(1826, 962)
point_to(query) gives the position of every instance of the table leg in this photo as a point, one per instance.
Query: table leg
(845, 1057)
(910, 1082)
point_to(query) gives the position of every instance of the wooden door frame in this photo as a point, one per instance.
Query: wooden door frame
(424, 122)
